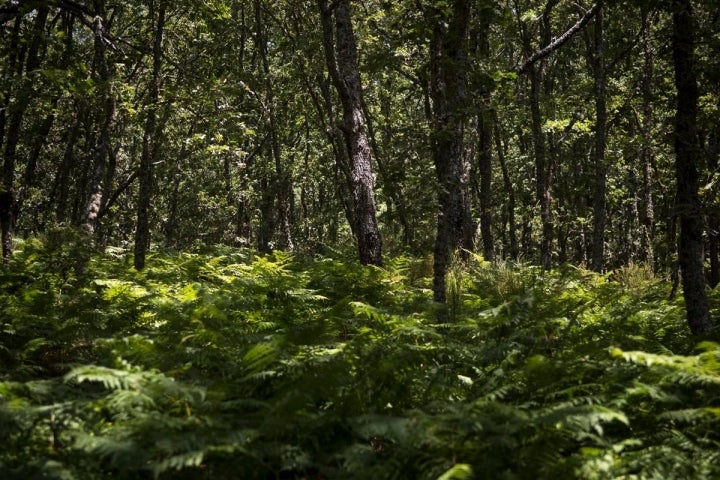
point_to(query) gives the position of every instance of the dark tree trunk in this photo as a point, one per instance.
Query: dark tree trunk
(485, 134)
(39, 138)
(267, 218)
(513, 249)
(14, 128)
(341, 56)
(714, 230)
(599, 200)
(448, 58)
(150, 138)
(687, 159)
(647, 214)
(61, 186)
(541, 170)
(713, 214)
(281, 183)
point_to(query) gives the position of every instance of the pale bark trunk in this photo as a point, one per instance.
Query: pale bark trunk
(341, 56)
(106, 101)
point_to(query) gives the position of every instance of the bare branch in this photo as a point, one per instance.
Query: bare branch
(561, 40)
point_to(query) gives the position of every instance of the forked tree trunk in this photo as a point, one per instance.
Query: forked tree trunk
(687, 159)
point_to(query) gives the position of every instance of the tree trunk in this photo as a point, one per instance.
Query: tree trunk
(513, 249)
(687, 159)
(14, 128)
(646, 154)
(281, 183)
(541, 171)
(105, 101)
(485, 134)
(599, 200)
(448, 58)
(142, 230)
(341, 57)
(61, 185)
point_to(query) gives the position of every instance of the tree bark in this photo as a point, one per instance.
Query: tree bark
(14, 128)
(599, 200)
(485, 134)
(513, 249)
(542, 179)
(341, 57)
(41, 132)
(646, 154)
(281, 183)
(105, 101)
(448, 59)
(146, 177)
(535, 73)
(687, 158)
(61, 185)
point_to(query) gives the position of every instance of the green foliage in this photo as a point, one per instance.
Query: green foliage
(231, 365)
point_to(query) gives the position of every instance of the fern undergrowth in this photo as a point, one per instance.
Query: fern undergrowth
(230, 365)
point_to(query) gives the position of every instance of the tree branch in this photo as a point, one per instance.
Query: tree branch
(561, 40)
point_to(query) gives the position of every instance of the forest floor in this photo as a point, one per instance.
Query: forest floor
(231, 365)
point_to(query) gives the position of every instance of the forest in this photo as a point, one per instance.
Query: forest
(352, 239)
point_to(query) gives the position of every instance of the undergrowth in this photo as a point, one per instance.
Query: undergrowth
(227, 365)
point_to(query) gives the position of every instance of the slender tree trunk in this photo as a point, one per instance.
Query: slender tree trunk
(485, 134)
(341, 57)
(448, 58)
(687, 158)
(281, 184)
(391, 187)
(541, 170)
(14, 128)
(599, 200)
(61, 185)
(340, 154)
(267, 213)
(648, 214)
(105, 101)
(39, 138)
(713, 214)
(150, 137)
(513, 249)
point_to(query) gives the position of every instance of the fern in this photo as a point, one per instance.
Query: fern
(226, 364)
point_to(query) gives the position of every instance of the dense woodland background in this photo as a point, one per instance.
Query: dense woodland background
(219, 122)
(512, 207)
